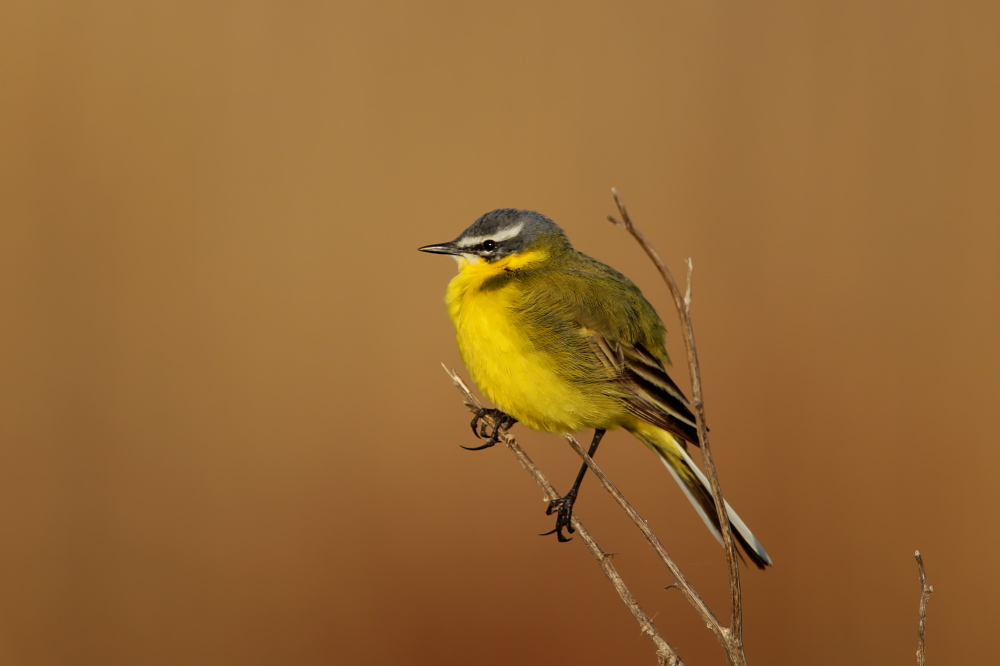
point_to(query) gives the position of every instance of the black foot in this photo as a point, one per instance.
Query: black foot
(563, 508)
(501, 421)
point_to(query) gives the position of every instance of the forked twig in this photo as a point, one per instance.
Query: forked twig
(733, 635)
(925, 597)
(665, 653)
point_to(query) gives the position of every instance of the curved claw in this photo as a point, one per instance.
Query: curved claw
(488, 444)
(501, 421)
(559, 535)
(475, 421)
(563, 508)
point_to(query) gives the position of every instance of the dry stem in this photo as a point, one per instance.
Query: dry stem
(682, 582)
(733, 635)
(665, 653)
(925, 596)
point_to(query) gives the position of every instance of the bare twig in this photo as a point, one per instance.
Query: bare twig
(733, 641)
(665, 653)
(682, 582)
(925, 596)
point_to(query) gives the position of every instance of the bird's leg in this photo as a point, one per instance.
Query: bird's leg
(563, 506)
(501, 421)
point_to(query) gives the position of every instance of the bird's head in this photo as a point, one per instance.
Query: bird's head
(505, 236)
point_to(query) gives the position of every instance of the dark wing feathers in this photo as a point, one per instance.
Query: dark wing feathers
(650, 368)
(650, 392)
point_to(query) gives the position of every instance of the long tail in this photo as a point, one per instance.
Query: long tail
(695, 485)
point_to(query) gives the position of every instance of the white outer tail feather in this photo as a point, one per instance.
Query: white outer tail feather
(734, 519)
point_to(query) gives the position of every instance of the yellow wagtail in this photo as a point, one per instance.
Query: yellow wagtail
(561, 342)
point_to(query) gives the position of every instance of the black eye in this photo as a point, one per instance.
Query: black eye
(489, 245)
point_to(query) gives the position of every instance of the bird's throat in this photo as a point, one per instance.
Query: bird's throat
(473, 268)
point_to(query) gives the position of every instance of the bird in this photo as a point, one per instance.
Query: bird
(561, 343)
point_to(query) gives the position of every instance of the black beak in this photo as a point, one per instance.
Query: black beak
(441, 248)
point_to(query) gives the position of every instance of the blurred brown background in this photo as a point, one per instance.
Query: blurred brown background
(226, 435)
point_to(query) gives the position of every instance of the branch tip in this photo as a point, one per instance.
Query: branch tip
(690, 276)
(925, 596)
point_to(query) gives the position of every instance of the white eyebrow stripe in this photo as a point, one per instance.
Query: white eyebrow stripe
(506, 234)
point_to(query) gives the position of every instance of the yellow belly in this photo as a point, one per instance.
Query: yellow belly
(512, 371)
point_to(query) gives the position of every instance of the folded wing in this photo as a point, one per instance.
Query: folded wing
(651, 394)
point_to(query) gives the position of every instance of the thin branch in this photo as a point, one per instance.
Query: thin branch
(925, 596)
(682, 582)
(734, 633)
(666, 654)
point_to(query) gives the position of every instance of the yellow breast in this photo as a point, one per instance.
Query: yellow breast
(510, 369)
